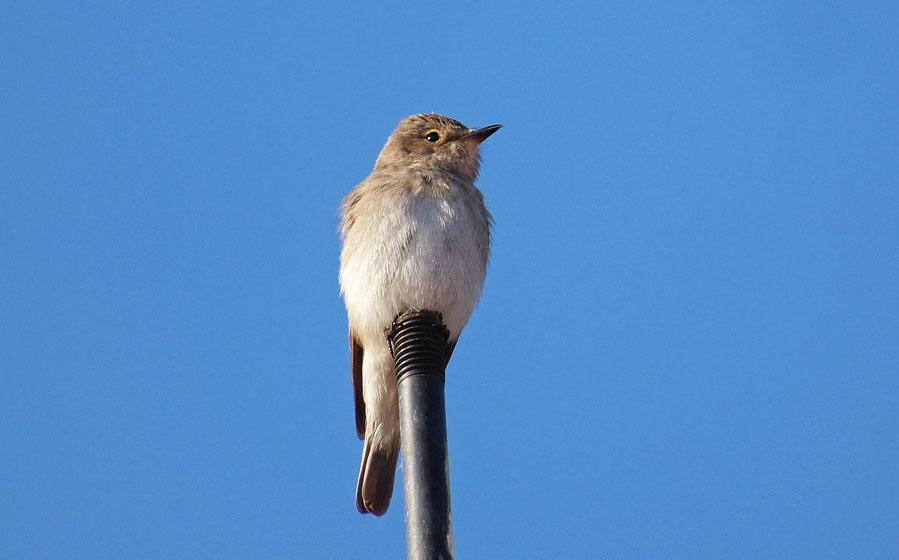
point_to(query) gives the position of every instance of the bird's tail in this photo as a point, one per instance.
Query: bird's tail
(376, 475)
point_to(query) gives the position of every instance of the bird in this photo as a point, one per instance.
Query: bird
(415, 236)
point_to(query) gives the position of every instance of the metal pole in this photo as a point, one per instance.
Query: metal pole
(418, 341)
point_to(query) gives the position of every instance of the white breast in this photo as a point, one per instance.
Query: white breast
(419, 252)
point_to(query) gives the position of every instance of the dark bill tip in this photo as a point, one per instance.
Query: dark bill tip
(482, 134)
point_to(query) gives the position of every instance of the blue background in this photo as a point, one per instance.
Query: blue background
(687, 346)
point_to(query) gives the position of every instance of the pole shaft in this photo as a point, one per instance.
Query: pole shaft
(418, 340)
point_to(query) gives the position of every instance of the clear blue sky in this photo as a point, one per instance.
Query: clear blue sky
(688, 343)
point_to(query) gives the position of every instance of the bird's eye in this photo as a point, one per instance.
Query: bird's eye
(432, 136)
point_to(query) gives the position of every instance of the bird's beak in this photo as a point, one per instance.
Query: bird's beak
(481, 134)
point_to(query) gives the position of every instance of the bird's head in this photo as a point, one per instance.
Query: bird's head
(435, 142)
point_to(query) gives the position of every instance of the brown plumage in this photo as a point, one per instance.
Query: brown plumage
(416, 235)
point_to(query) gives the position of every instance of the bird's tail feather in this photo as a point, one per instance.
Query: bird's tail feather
(376, 476)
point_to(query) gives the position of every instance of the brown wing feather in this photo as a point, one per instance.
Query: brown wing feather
(450, 346)
(356, 354)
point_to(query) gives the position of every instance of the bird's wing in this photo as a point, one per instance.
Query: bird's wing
(356, 354)
(450, 346)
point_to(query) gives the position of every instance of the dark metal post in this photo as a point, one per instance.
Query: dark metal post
(418, 341)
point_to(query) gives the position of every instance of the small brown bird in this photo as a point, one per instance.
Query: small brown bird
(416, 235)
